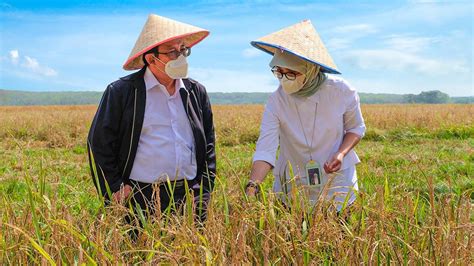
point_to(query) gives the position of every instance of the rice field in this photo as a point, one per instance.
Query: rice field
(415, 204)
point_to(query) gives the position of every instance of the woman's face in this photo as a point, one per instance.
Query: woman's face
(286, 70)
(279, 72)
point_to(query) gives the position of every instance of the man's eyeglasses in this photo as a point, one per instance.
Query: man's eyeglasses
(185, 51)
(279, 75)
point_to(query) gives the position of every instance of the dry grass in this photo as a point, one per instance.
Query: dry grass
(421, 116)
(67, 126)
(47, 126)
(415, 205)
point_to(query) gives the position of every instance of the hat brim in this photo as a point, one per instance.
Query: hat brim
(190, 39)
(271, 48)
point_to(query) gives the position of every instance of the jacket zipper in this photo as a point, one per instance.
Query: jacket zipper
(190, 119)
(187, 103)
(133, 129)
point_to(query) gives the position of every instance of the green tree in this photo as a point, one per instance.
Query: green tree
(432, 97)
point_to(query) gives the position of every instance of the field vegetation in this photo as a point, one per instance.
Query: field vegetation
(415, 204)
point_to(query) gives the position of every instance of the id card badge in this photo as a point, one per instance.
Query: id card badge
(313, 172)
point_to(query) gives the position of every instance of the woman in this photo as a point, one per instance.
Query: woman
(314, 118)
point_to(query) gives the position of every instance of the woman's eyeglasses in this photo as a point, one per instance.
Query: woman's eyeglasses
(279, 75)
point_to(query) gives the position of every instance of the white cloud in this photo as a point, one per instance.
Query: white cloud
(429, 1)
(299, 8)
(409, 43)
(415, 85)
(433, 12)
(372, 85)
(251, 52)
(29, 66)
(339, 43)
(14, 55)
(391, 59)
(224, 80)
(33, 65)
(344, 36)
(360, 29)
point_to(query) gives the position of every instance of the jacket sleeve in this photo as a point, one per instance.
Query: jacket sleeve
(210, 171)
(103, 143)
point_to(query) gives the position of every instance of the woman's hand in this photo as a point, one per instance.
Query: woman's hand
(251, 191)
(122, 194)
(334, 164)
(259, 171)
(349, 142)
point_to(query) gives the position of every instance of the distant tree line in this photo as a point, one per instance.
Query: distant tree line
(424, 97)
(9, 97)
(428, 97)
(49, 98)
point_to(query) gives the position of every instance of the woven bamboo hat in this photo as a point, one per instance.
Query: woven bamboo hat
(159, 30)
(301, 40)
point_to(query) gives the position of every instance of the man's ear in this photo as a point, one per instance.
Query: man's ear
(149, 58)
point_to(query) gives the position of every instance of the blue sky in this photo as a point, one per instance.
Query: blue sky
(379, 46)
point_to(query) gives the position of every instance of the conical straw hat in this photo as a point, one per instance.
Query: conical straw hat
(301, 40)
(158, 30)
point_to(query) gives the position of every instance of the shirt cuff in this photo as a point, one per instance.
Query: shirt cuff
(264, 156)
(360, 131)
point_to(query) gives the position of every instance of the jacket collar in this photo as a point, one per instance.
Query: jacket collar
(137, 79)
(136, 75)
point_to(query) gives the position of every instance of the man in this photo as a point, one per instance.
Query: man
(153, 133)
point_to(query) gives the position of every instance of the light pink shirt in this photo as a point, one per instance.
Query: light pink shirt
(166, 145)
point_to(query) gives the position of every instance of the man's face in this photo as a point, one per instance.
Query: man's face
(170, 50)
(167, 52)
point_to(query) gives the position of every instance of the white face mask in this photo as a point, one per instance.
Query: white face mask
(177, 68)
(292, 86)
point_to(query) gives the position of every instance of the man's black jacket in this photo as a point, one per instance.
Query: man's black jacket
(115, 132)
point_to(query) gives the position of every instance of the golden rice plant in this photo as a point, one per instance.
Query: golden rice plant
(414, 205)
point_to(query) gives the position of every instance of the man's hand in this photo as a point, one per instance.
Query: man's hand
(334, 164)
(122, 194)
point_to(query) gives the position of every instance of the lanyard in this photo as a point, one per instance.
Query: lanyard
(312, 132)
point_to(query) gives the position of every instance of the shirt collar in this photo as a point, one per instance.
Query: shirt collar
(179, 84)
(151, 82)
